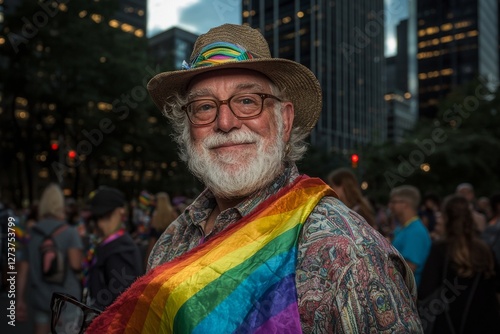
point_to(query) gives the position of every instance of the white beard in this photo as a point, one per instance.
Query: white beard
(237, 174)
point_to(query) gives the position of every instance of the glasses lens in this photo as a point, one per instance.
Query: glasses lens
(246, 105)
(202, 111)
(69, 319)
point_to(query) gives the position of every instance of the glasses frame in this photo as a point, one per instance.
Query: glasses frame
(219, 103)
(56, 314)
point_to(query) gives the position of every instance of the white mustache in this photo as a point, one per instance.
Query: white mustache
(235, 137)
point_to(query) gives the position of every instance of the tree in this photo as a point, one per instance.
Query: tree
(460, 145)
(69, 77)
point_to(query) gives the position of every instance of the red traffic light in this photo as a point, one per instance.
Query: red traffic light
(72, 154)
(54, 146)
(354, 158)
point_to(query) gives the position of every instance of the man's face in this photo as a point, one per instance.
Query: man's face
(236, 157)
(398, 205)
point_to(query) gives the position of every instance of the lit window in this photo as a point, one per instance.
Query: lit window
(139, 33)
(127, 27)
(446, 39)
(300, 14)
(447, 71)
(114, 23)
(472, 33)
(446, 26)
(96, 18)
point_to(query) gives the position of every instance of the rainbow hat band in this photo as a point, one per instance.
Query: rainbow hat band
(218, 53)
(233, 46)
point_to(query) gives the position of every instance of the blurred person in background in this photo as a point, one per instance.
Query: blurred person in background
(163, 214)
(467, 191)
(429, 209)
(465, 264)
(345, 184)
(115, 262)
(51, 212)
(484, 207)
(491, 234)
(495, 209)
(411, 237)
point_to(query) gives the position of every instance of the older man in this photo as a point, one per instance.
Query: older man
(263, 248)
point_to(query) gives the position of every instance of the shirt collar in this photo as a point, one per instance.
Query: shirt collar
(203, 205)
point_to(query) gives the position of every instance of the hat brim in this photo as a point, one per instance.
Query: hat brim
(296, 81)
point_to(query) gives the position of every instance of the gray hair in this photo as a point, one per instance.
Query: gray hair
(410, 193)
(296, 146)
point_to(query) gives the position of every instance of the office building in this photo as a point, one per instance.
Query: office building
(342, 42)
(401, 98)
(171, 47)
(457, 42)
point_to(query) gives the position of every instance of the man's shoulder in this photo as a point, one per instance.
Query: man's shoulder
(332, 219)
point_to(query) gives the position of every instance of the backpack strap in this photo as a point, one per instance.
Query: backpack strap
(57, 230)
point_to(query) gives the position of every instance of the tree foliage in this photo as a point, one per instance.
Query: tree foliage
(82, 84)
(460, 145)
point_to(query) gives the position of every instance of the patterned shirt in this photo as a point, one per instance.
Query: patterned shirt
(349, 278)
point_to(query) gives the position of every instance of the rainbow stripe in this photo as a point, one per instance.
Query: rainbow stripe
(219, 53)
(241, 281)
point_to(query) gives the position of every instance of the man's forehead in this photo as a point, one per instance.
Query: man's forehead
(231, 78)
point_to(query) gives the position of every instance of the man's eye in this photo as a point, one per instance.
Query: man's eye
(204, 107)
(247, 100)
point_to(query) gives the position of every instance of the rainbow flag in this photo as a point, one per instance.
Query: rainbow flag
(241, 281)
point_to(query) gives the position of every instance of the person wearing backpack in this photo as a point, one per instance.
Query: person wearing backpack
(116, 260)
(56, 268)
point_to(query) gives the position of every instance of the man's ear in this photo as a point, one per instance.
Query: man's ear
(288, 114)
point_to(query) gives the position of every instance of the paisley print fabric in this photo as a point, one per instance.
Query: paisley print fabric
(349, 278)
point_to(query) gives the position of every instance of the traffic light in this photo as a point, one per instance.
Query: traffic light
(71, 154)
(354, 160)
(54, 146)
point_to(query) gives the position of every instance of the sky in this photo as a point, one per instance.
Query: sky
(198, 16)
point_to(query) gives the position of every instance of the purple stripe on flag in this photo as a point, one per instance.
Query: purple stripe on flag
(284, 322)
(275, 309)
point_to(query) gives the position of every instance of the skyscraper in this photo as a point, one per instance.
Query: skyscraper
(170, 47)
(342, 42)
(457, 41)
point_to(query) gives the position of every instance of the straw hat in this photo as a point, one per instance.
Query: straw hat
(238, 46)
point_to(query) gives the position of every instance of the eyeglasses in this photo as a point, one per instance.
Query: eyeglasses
(69, 316)
(243, 106)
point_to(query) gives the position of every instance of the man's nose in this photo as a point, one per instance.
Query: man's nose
(226, 120)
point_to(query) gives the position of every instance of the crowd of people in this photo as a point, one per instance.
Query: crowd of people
(105, 241)
(262, 248)
(449, 238)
